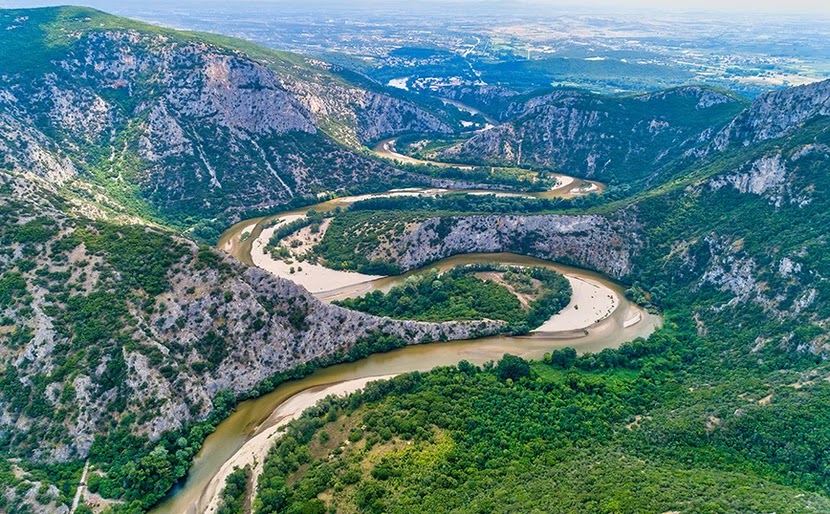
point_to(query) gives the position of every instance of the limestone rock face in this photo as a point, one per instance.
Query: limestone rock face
(776, 114)
(199, 129)
(26, 148)
(629, 139)
(216, 325)
(605, 243)
(771, 177)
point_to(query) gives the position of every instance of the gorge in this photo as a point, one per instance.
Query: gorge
(180, 210)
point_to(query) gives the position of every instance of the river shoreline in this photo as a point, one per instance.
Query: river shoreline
(566, 186)
(250, 416)
(255, 450)
(592, 301)
(248, 432)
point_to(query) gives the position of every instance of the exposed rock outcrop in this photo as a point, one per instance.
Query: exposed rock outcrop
(198, 129)
(768, 177)
(776, 114)
(216, 325)
(604, 243)
(616, 139)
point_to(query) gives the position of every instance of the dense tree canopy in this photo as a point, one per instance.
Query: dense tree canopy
(612, 432)
(462, 294)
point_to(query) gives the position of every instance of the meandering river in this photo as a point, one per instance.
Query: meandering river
(260, 417)
(566, 186)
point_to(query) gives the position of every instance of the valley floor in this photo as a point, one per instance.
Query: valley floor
(591, 302)
(254, 452)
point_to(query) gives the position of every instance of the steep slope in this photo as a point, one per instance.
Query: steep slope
(112, 330)
(185, 126)
(776, 114)
(744, 232)
(604, 243)
(729, 400)
(623, 140)
(124, 343)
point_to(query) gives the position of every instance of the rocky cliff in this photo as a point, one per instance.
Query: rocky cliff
(607, 244)
(187, 127)
(616, 139)
(776, 114)
(102, 323)
(748, 234)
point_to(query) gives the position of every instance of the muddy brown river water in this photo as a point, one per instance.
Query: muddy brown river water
(252, 417)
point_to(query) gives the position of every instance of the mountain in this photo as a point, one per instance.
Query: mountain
(124, 342)
(723, 410)
(187, 127)
(634, 141)
(117, 333)
(128, 327)
(741, 228)
(631, 140)
(776, 114)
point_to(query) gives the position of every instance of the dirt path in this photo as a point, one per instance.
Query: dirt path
(81, 488)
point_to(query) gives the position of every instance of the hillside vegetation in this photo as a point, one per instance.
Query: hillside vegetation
(189, 129)
(523, 297)
(721, 411)
(625, 430)
(123, 342)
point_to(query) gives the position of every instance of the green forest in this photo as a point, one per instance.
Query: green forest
(460, 294)
(638, 429)
(722, 410)
(124, 343)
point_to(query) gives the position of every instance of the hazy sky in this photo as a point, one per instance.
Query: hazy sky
(746, 6)
(815, 6)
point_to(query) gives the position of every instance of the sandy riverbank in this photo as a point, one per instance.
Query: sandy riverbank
(584, 190)
(255, 450)
(500, 194)
(591, 302)
(395, 193)
(634, 317)
(563, 181)
(315, 278)
(387, 149)
(248, 228)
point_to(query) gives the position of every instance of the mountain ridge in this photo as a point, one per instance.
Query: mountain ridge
(185, 118)
(126, 342)
(633, 139)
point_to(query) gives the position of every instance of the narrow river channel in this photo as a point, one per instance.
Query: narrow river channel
(627, 321)
(566, 187)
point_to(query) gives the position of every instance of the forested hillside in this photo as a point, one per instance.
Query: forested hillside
(119, 340)
(644, 429)
(124, 342)
(523, 297)
(631, 140)
(185, 127)
(721, 411)
(741, 231)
